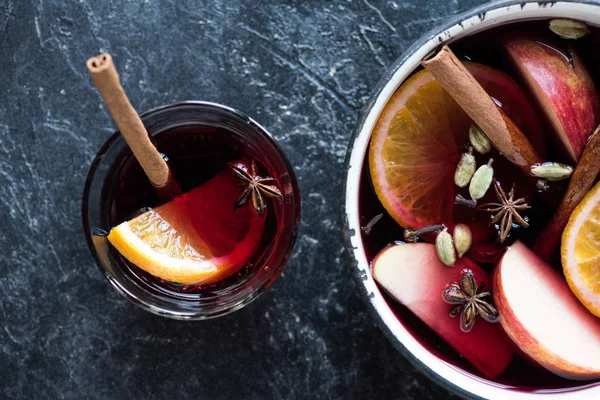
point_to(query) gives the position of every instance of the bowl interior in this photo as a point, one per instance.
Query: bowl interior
(420, 344)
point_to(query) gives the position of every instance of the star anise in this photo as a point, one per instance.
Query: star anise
(468, 302)
(256, 188)
(507, 210)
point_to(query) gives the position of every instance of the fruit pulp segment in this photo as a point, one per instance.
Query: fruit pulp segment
(211, 210)
(163, 234)
(587, 251)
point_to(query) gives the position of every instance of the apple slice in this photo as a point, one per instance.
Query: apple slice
(413, 275)
(562, 87)
(543, 317)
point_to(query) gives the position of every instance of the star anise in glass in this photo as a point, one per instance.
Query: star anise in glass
(256, 188)
(507, 210)
(468, 302)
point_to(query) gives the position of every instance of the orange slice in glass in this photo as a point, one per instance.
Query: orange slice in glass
(197, 238)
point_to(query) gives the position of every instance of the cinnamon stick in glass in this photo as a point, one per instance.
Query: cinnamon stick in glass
(130, 125)
(582, 180)
(474, 100)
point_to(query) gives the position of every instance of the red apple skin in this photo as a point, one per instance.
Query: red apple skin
(414, 276)
(516, 104)
(564, 90)
(517, 330)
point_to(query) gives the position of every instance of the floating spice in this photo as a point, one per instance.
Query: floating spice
(369, 227)
(444, 246)
(542, 184)
(256, 188)
(413, 236)
(481, 180)
(568, 28)
(552, 171)
(465, 169)
(478, 140)
(459, 199)
(462, 239)
(468, 302)
(507, 210)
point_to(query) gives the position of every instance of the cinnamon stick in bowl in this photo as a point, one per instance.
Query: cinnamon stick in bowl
(474, 100)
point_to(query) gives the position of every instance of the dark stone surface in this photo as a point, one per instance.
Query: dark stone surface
(301, 68)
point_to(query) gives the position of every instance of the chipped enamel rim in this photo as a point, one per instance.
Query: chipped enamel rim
(475, 20)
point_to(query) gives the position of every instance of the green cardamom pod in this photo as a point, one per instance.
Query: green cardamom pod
(552, 171)
(482, 179)
(462, 239)
(444, 247)
(478, 140)
(568, 29)
(465, 169)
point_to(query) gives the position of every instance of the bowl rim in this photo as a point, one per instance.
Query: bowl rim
(474, 20)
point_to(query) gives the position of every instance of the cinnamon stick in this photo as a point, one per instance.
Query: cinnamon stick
(130, 125)
(582, 180)
(474, 100)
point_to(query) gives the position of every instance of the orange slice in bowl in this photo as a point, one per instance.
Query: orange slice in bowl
(417, 140)
(580, 251)
(197, 238)
(413, 151)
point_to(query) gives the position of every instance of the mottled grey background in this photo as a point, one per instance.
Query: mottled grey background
(301, 68)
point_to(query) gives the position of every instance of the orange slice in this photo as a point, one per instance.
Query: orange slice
(580, 251)
(410, 157)
(197, 238)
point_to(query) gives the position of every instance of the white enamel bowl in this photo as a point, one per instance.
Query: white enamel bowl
(476, 20)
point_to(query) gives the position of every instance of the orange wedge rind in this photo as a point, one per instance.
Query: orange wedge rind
(580, 251)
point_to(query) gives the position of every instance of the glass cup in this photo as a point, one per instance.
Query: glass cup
(100, 189)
